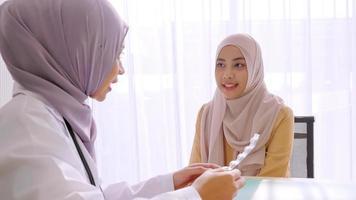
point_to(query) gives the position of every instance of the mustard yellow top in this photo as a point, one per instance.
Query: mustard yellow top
(278, 147)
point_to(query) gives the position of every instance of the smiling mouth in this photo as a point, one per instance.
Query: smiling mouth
(230, 86)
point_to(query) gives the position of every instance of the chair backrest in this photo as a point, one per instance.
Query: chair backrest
(302, 162)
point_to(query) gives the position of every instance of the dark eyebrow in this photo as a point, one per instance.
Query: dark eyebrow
(238, 58)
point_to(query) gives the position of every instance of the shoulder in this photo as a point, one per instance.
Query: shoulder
(283, 127)
(34, 142)
(284, 119)
(202, 108)
(285, 113)
(200, 112)
(29, 127)
(27, 115)
(24, 107)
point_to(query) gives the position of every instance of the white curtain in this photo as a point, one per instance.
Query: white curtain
(308, 49)
(147, 124)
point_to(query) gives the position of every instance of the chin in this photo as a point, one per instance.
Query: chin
(100, 98)
(231, 97)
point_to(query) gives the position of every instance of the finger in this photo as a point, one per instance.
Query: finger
(236, 174)
(240, 183)
(220, 169)
(206, 165)
(196, 171)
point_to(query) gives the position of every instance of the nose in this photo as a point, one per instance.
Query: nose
(228, 74)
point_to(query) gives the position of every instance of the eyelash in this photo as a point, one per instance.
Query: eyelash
(219, 65)
(237, 65)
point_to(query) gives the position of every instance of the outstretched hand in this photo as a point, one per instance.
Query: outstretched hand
(187, 175)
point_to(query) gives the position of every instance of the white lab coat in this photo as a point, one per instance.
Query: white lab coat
(39, 161)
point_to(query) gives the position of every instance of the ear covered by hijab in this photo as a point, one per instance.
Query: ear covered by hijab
(62, 50)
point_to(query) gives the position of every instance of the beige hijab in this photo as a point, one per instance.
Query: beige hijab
(237, 120)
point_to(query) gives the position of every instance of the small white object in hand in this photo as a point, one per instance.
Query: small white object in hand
(234, 163)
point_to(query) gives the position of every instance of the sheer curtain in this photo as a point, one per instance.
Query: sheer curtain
(147, 124)
(308, 48)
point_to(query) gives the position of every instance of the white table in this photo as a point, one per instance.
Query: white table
(295, 188)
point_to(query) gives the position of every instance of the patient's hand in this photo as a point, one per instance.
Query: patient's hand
(187, 175)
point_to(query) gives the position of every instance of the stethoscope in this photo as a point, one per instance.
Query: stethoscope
(81, 155)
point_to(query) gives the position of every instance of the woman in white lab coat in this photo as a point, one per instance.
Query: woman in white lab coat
(59, 52)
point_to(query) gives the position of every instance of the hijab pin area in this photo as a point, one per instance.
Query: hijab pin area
(234, 163)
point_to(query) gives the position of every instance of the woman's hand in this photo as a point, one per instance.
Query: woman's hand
(187, 175)
(219, 184)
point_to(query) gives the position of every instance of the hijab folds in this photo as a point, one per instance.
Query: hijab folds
(238, 119)
(62, 50)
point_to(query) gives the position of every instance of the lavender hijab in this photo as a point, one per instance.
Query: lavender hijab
(62, 50)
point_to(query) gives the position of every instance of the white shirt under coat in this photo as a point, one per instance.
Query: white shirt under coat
(39, 161)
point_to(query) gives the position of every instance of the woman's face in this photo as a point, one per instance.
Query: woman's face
(231, 72)
(100, 93)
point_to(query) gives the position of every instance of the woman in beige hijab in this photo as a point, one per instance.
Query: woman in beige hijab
(241, 107)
